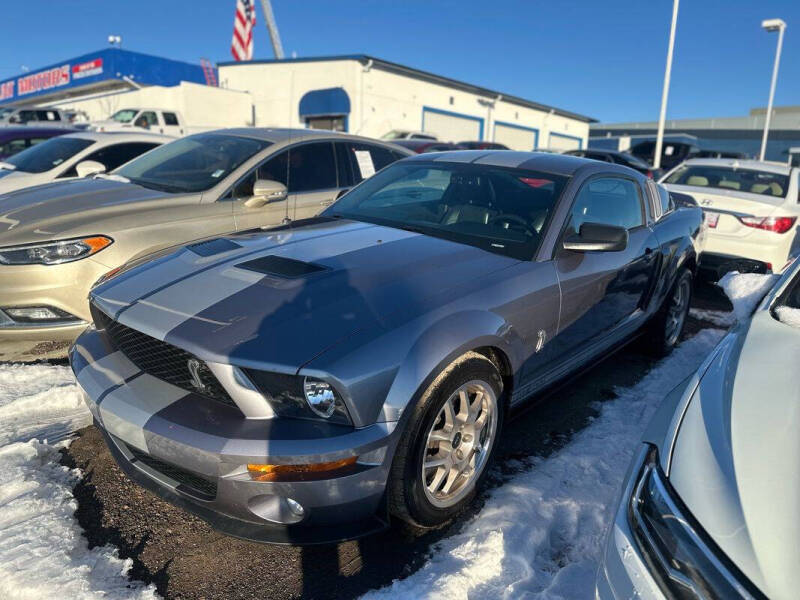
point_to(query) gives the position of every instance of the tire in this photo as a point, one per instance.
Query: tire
(423, 500)
(666, 327)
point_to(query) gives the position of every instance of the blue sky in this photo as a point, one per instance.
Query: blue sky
(600, 58)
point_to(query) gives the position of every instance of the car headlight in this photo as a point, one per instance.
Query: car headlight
(686, 562)
(54, 253)
(299, 397)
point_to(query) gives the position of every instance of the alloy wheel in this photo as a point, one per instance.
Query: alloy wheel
(676, 315)
(459, 443)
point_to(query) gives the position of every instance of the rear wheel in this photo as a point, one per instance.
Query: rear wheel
(449, 443)
(667, 326)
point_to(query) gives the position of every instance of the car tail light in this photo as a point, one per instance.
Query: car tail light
(774, 224)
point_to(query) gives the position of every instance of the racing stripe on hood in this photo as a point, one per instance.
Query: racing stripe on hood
(126, 409)
(157, 314)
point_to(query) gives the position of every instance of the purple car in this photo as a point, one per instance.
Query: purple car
(17, 139)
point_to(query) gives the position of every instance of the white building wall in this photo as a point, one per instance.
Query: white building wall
(201, 105)
(382, 100)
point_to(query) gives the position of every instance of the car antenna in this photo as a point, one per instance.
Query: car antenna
(286, 219)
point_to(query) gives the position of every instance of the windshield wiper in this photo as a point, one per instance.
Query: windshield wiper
(161, 187)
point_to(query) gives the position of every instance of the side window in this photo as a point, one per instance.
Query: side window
(147, 120)
(607, 201)
(27, 115)
(667, 204)
(244, 189)
(170, 118)
(47, 115)
(311, 167)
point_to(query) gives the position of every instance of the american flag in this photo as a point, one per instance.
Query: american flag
(243, 24)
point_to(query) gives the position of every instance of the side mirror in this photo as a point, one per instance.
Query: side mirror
(599, 238)
(89, 167)
(265, 191)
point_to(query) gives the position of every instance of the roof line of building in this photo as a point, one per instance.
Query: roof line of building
(422, 75)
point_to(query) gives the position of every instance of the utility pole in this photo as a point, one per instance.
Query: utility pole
(779, 26)
(665, 92)
(272, 27)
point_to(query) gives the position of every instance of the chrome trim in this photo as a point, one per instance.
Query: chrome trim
(243, 392)
(7, 322)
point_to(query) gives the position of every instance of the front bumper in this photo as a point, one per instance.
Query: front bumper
(65, 287)
(193, 451)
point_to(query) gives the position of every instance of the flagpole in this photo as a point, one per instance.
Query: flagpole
(272, 27)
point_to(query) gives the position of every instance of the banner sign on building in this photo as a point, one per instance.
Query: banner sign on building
(87, 69)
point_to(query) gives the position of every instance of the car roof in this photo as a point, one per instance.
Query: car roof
(280, 135)
(560, 164)
(120, 136)
(738, 163)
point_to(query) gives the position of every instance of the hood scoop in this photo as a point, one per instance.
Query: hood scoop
(213, 247)
(278, 266)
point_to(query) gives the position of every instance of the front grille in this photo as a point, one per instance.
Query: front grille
(196, 484)
(162, 360)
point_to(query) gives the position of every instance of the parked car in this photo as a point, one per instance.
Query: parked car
(672, 153)
(56, 240)
(423, 146)
(11, 115)
(406, 134)
(16, 139)
(166, 122)
(710, 505)
(482, 146)
(751, 210)
(292, 385)
(620, 158)
(73, 155)
(717, 154)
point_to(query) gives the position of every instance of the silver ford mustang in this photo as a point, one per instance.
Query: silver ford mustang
(301, 384)
(710, 508)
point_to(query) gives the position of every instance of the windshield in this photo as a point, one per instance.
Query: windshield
(500, 210)
(730, 178)
(191, 164)
(125, 115)
(49, 154)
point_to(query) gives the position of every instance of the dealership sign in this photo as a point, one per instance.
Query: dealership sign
(53, 78)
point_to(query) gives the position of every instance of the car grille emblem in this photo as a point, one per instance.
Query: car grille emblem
(195, 366)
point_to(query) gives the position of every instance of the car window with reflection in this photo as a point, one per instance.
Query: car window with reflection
(500, 210)
(48, 155)
(753, 181)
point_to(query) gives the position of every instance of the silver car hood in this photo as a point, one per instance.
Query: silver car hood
(736, 459)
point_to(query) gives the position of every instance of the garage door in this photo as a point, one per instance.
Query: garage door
(451, 127)
(516, 137)
(559, 141)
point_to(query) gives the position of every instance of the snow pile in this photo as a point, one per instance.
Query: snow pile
(718, 318)
(746, 290)
(541, 534)
(789, 315)
(42, 551)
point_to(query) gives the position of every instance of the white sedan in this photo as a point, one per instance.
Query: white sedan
(74, 155)
(751, 210)
(711, 506)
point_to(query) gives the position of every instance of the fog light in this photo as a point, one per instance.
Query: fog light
(295, 507)
(38, 314)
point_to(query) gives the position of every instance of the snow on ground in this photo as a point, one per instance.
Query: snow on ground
(719, 318)
(789, 315)
(42, 552)
(540, 534)
(746, 290)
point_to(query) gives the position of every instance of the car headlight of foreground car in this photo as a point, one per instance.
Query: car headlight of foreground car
(684, 561)
(54, 253)
(300, 397)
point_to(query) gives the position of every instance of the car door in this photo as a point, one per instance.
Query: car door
(603, 292)
(309, 172)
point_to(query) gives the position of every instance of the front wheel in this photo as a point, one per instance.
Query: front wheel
(449, 443)
(667, 325)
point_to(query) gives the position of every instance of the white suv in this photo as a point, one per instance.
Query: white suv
(751, 210)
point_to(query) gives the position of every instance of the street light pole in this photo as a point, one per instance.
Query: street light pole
(780, 26)
(665, 92)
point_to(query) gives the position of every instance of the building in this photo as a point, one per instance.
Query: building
(724, 134)
(368, 96)
(358, 94)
